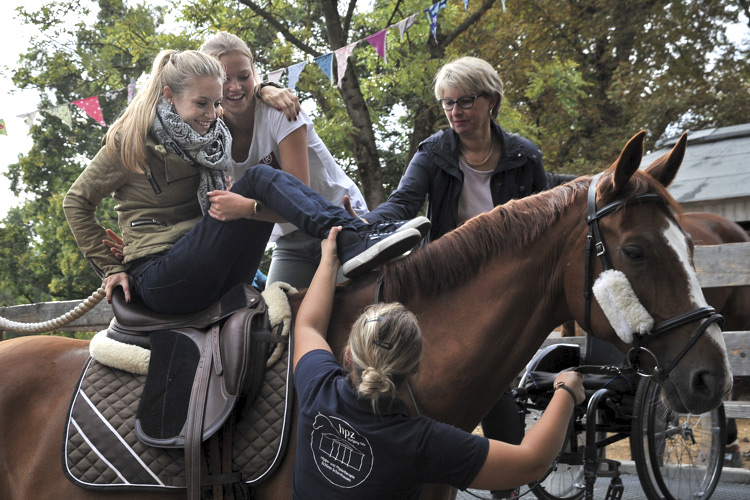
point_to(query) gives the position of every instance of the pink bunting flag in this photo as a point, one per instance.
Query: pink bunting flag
(92, 108)
(342, 55)
(378, 41)
(3, 131)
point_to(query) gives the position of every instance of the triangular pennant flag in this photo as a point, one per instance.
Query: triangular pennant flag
(407, 23)
(342, 56)
(378, 41)
(503, 1)
(275, 76)
(28, 118)
(131, 90)
(63, 113)
(3, 131)
(466, 5)
(294, 71)
(432, 15)
(326, 64)
(92, 108)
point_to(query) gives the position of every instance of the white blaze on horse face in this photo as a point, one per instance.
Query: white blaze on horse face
(676, 239)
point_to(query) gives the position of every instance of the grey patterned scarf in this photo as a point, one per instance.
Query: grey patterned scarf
(210, 153)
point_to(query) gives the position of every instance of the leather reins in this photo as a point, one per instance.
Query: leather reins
(595, 246)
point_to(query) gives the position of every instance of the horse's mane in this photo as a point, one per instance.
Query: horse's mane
(462, 253)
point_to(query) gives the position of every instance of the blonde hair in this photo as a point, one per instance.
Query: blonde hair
(171, 68)
(471, 75)
(385, 347)
(224, 43)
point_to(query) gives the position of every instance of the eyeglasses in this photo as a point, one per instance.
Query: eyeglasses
(464, 102)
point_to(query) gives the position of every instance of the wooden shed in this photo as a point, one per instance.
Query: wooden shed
(715, 174)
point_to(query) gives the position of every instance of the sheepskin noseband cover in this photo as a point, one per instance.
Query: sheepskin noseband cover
(624, 311)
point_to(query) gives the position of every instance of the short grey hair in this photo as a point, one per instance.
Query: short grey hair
(471, 75)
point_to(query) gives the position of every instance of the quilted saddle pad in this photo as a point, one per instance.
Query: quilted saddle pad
(101, 449)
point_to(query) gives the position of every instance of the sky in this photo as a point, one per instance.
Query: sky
(13, 101)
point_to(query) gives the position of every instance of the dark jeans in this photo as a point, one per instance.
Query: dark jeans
(215, 256)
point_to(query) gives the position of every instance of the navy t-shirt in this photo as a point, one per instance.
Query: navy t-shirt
(346, 451)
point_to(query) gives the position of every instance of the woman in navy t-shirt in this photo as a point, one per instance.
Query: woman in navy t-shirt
(356, 438)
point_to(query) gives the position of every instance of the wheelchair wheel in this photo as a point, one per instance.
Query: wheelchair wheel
(677, 456)
(564, 480)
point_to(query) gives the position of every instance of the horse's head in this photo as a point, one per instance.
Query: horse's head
(642, 292)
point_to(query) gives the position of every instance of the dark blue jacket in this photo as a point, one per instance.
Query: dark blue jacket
(434, 174)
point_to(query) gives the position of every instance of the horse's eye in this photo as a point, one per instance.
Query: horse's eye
(633, 252)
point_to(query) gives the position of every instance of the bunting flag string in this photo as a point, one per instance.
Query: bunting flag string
(275, 76)
(407, 23)
(326, 64)
(91, 105)
(293, 74)
(63, 113)
(432, 14)
(378, 41)
(342, 58)
(131, 90)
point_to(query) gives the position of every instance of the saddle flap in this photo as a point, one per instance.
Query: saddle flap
(211, 376)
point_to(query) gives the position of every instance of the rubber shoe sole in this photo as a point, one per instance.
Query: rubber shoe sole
(422, 224)
(384, 250)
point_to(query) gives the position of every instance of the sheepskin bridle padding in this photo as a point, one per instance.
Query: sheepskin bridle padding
(622, 307)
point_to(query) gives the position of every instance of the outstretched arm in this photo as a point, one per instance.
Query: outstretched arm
(508, 466)
(315, 311)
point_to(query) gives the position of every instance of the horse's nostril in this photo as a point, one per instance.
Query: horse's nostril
(705, 384)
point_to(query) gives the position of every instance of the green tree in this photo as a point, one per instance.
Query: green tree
(581, 77)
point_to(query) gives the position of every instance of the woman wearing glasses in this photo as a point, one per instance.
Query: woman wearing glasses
(472, 166)
(465, 170)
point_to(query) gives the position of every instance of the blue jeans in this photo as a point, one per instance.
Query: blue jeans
(296, 257)
(215, 256)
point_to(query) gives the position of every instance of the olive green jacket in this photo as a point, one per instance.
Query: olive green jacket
(154, 209)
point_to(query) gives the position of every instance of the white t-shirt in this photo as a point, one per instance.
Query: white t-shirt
(476, 195)
(326, 177)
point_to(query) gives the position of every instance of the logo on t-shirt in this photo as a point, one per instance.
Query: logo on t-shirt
(270, 159)
(342, 454)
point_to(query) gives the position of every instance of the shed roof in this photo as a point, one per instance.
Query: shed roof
(716, 165)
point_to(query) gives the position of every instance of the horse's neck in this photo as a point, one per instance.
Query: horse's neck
(479, 336)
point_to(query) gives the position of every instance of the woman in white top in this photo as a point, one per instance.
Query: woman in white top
(263, 134)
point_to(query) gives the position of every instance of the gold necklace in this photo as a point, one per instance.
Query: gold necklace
(474, 164)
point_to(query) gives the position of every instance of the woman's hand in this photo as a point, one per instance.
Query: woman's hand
(114, 280)
(328, 253)
(281, 99)
(574, 380)
(226, 206)
(115, 244)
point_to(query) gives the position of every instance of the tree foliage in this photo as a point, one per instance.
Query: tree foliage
(580, 76)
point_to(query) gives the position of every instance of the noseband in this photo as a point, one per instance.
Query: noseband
(595, 246)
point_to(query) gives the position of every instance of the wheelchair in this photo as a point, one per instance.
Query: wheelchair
(676, 456)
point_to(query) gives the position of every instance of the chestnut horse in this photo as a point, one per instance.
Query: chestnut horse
(486, 295)
(731, 302)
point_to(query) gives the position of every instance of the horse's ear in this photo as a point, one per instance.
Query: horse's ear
(629, 161)
(664, 169)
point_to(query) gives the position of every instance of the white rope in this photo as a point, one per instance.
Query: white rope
(54, 324)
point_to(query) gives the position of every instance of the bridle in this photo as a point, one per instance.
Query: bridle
(595, 246)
